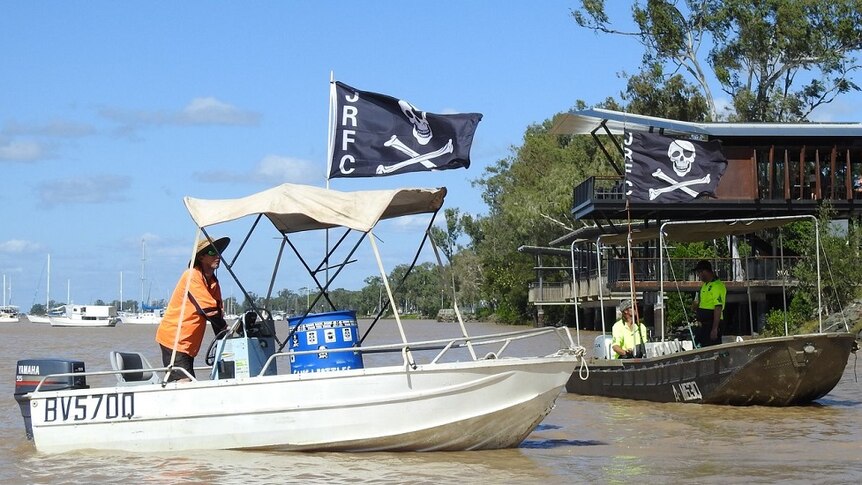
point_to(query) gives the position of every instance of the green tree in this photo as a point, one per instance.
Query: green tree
(778, 60)
(652, 93)
(529, 196)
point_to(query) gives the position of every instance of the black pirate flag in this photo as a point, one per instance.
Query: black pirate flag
(376, 135)
(663, 169)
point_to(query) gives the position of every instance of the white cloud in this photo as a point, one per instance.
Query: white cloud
(199, 112)
(841, 110)
(271, 170)
(22, 151)
(287, 169)
(18, 246)
(410, 223)
(84, 190)
(211, 111)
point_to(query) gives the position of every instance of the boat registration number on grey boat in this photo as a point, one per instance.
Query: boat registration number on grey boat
(89, 408)
(688, 391)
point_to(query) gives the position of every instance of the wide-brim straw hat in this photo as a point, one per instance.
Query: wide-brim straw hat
(220, 245)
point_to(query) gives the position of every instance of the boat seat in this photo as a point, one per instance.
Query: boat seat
(132, 361)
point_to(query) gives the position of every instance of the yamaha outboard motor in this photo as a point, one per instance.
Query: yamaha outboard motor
(30, 373)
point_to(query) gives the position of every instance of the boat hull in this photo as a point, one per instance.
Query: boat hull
(77, 322)
(143, 319)
(486, 404)
(779, 371)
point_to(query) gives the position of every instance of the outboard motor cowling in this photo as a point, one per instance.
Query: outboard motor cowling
(29, 374)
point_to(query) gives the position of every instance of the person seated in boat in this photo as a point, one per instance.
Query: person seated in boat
(201, 303)
(708, 305)
(628, 338)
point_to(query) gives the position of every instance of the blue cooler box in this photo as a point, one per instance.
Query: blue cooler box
(325, 331)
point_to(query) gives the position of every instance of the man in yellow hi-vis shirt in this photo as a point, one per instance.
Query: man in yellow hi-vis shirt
(628, 337)
(708, 305)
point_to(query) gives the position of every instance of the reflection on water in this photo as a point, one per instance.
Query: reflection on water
(584, 439)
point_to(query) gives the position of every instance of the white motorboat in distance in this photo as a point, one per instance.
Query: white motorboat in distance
(460, 393)
(9, 314)
(152, 317)
(85, 316)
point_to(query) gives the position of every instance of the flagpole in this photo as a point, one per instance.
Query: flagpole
(330, 150)
(330, 143)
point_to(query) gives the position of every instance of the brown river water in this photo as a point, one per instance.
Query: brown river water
(583, 440)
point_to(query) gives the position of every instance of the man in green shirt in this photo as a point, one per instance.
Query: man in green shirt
(709, 305)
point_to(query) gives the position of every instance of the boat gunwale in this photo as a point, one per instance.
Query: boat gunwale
(593, 361)
(567, 353)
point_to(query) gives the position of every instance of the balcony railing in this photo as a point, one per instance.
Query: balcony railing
(760, 270)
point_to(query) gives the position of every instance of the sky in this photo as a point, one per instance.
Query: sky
(112, 112)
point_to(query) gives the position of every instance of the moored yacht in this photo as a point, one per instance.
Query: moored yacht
(86, 316)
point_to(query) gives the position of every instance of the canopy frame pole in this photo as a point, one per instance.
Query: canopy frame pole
(323, 288)
(323, 292)
(576, 291)
(389, 291)
(600, 283)
(274, 274)
(385, 306)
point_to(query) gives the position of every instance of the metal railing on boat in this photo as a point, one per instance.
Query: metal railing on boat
(405, 349)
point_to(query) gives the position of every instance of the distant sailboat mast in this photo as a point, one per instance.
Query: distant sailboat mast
(143, 277)
(48, 287)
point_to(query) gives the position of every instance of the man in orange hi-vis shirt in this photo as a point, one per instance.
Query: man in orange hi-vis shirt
(202, 302)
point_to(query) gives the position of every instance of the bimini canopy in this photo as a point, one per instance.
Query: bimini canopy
(693, 231)
(297, 208)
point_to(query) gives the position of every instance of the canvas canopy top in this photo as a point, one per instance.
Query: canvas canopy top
(295, 208)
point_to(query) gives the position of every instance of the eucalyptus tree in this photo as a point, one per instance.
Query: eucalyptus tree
(778, 60)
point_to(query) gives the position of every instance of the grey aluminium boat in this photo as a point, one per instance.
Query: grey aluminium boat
(774, 371)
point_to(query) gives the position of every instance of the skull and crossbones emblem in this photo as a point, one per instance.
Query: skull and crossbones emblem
(422, 133)
(681, 154)
(421, 128)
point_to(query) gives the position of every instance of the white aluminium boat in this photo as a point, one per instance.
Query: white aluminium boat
(459, 393)
(85, 316)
